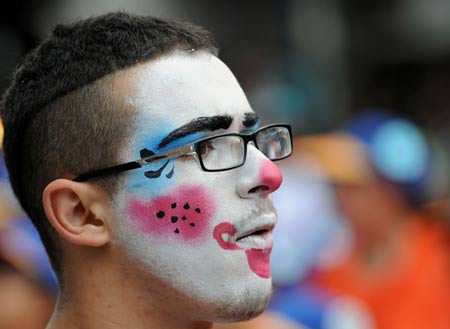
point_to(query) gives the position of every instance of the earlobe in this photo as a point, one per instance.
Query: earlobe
(78, 212)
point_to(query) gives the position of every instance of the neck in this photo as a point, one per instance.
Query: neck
(108, 297)
(81, 317)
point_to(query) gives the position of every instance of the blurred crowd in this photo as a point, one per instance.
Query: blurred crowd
(27, 284)
(363, 236)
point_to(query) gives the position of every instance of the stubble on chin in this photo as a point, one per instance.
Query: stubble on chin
(247, 307)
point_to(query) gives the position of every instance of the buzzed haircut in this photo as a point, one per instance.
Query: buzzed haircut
(61, 114)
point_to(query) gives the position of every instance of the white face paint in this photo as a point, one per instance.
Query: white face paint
(206, 234)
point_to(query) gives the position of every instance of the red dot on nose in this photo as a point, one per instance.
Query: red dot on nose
(270, 176)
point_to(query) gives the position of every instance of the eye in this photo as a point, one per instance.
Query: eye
(205, 148)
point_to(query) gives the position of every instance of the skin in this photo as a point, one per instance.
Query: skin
(127, 267)
(266, 320)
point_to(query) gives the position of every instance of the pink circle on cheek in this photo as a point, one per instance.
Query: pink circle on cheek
(184, 214)
(225, 228)
(270, 175)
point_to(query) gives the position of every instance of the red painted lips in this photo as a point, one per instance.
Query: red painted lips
(258, 259)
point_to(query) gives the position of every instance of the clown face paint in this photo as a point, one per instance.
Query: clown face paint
(257, 246)
(174, 226)
(258, 259)
(185, 214)
(158, 174)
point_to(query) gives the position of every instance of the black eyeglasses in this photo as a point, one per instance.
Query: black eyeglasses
(216, 153)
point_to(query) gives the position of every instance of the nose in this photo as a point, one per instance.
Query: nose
(259, 177)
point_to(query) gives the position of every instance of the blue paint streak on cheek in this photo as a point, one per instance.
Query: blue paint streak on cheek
(139, 184)
(152, 187)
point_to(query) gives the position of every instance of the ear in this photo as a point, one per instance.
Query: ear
(78, 211)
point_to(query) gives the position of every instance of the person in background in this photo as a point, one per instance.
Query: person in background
(399, 265)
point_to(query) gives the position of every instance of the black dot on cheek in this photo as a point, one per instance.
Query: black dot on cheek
(160, 214)
(183, 218)
(174, 219)
(173, 205)
(186, 206)
(197, 210)
(177, 231)
(192, 224)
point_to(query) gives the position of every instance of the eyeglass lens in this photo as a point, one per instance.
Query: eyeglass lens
(223, 152)
(274, 142)
(229, 151)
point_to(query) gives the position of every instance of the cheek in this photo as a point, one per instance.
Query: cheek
(185, 214)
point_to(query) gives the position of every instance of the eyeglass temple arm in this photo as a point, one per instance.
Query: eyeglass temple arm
(108, 171)
(135, 164)
(169, 154)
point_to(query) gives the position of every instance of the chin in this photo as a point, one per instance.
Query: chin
(246, 304)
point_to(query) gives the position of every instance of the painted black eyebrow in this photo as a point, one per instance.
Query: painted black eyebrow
(196, 125)
(250, 119)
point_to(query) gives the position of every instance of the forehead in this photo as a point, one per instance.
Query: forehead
(181, 86)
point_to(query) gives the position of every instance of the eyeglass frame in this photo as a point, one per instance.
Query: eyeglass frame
(187, 149)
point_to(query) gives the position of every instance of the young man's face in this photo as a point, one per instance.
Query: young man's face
(206, 234)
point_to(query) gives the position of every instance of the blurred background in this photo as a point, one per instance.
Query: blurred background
(364, 213)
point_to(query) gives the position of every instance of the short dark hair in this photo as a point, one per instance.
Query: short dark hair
(60, 101)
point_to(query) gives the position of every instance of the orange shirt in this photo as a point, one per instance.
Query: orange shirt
(413, 292)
